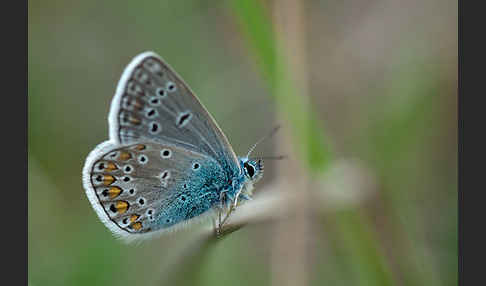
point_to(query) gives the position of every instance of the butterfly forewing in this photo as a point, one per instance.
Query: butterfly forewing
(144, 187)
(153, 104)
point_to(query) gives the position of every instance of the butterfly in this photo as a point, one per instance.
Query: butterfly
(167, 162)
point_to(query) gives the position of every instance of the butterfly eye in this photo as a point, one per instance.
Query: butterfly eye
(249, 170)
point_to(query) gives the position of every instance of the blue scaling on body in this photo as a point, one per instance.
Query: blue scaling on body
(167, 162)
(203, 191)
(196, 195)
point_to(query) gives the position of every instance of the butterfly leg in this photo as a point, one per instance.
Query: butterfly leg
(218, 229)
(236, 198)
(227, 215)
(222, 200)
(231, 209)
(223, 206)
(216, 226)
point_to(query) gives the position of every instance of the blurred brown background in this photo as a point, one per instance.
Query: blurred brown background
(379, 76)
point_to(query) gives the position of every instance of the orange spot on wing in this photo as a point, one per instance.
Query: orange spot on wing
(135, 120)
(137, 226)
(125, 156)
(140, 147)
(134, 217)
(138, 104)
(121, 206)
(108, 180)
(111, 166)
(114, 192)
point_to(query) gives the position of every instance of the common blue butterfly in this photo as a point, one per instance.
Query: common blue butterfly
(166, 162)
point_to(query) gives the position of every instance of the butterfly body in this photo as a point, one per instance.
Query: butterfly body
(167, 162)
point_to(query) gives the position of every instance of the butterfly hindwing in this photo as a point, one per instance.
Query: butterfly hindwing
(153, 104)
(143, 188)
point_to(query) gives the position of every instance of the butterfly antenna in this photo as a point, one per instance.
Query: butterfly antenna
(274, 130)
(271, 157)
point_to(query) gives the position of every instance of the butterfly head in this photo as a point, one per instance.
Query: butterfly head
(253, 169)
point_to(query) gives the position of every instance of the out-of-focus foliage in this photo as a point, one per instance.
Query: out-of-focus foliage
(382, 79)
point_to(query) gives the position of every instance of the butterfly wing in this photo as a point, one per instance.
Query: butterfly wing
(145, 188)
(153, 104)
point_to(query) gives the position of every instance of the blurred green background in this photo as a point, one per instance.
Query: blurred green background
(366, 92)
